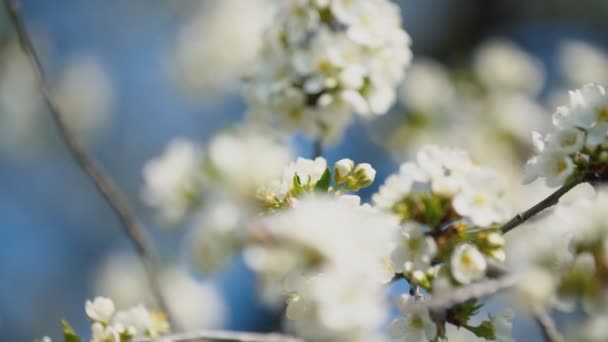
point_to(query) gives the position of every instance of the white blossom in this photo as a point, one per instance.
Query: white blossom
(501, 326)
(101, 309)
(343, 168)
(580, 128)
(309, 171)
(467, 264)
(502, 65)
(219, 231)
(415, 325)
(202, 62)
(446, 167)
(171, 179)
(101, 333)
(581, 62)
(247, 159)
(481, 198)
(413, 251)
(427, 88)
(330, 263)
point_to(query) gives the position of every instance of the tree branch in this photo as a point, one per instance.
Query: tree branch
(478, 291)
(130, 223)
(547, 326)
(317, 149)
(550, 201)
(219, 335)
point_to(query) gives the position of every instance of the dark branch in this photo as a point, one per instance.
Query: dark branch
(550, 201)
(111, 193)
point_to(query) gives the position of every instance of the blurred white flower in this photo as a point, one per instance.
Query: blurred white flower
(135, 321)
(415, 325)
(194, 304)
(427, 87)
(501, 326)
(101, 333)
(218, 45)
(171, 180)
(320, 62)
(503, 66)
(446, 167)
(247, 159)
(218, 235)
(467, 264)
(308, 171)
(413, 251)
(100, 309)
(330, 263)
(397, 186)
(482, 197)
(85, 96)
(581, 62)
(22, 121)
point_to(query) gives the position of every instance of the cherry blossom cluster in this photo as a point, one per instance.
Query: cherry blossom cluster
(449, 209)
(575, 149)
(325, 255)
(322, 60)
(109, 325)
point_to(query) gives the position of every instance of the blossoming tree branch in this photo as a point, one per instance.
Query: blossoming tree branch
(327, 257)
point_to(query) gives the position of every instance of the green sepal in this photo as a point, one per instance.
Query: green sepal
(483, 330)
(325, 181)
(69, 335)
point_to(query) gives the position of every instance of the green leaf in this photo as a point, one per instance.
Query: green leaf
(69, 335)
(484, 330)
(325, 181)
(463, 312)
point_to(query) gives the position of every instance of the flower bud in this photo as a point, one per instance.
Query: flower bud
(343, 169)
(364, 174)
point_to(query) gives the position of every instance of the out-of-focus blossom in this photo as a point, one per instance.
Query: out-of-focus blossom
(172, 180)
(330, 262)
(581, 63)
(503, 66)
(427, 88)
(85, 96)
(194, 304)
(416, 323)
(218, 46)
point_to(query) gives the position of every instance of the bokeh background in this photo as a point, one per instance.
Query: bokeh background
(132, 75)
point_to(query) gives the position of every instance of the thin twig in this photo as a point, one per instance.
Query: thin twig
(218, 335)
(550, 201)
(547, 326)
(479, 291)
(317, 148)
(111, 193)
